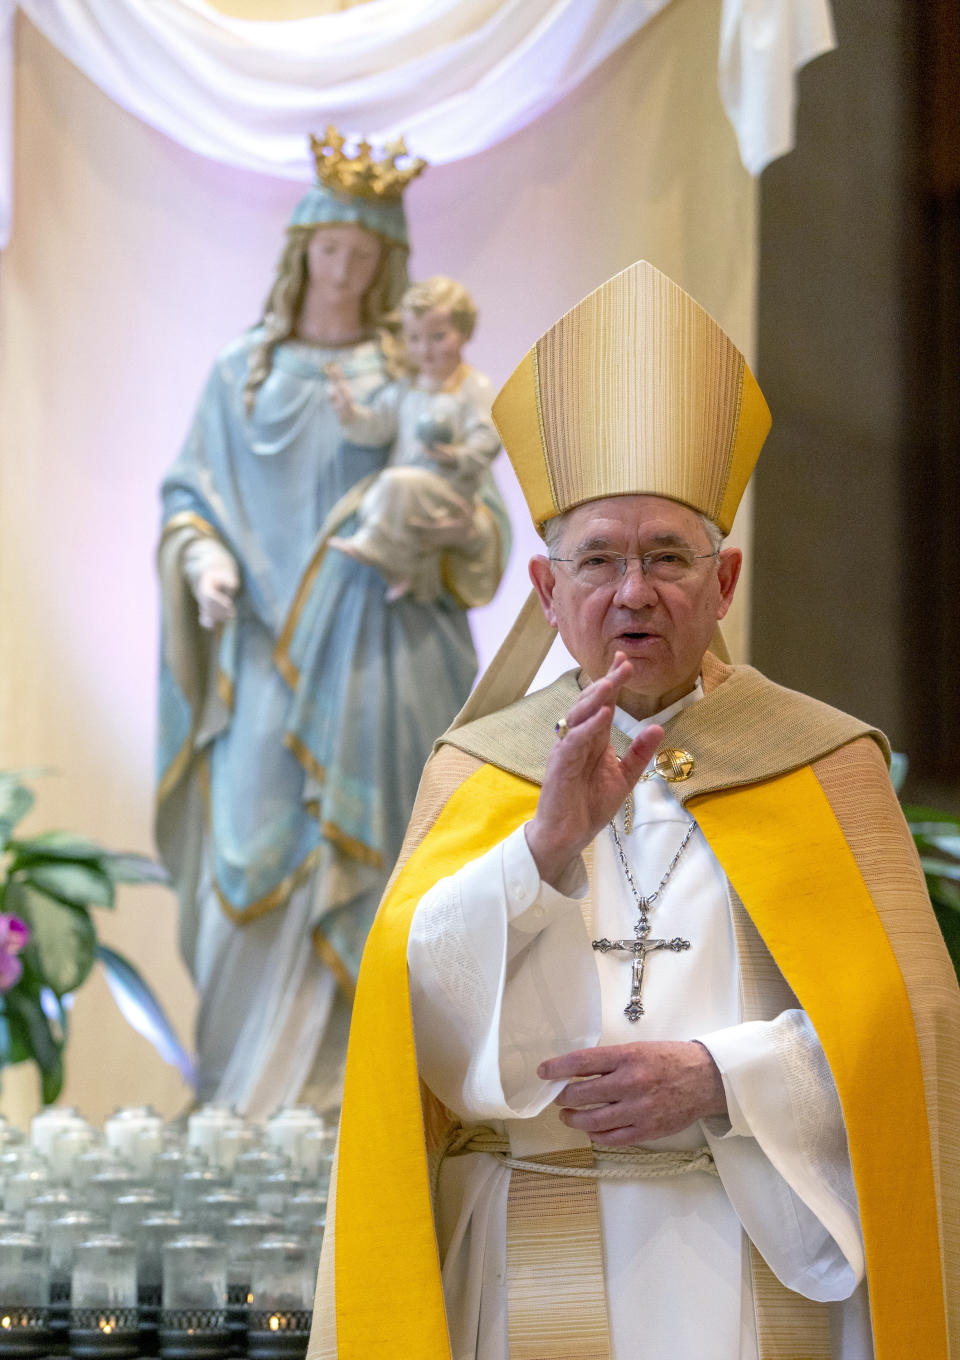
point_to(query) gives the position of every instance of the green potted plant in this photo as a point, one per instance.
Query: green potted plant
(49, 886)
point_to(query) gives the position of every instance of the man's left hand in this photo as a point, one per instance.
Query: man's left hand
(631, 1093)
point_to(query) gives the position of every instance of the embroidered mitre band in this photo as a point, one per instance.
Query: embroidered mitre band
(635, 391)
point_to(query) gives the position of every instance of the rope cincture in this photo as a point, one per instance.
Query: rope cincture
(611, 1164)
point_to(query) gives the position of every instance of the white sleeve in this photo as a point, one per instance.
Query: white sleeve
(480, 442)
(499, 981)
(782, 1154)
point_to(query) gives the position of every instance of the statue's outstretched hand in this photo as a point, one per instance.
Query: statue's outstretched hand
(215, 591)
(585, 783)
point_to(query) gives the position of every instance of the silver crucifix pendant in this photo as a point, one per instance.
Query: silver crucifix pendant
(639, 947)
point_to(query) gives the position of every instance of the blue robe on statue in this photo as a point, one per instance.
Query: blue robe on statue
(292, 738)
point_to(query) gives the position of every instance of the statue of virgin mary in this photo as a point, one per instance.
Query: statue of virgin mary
(297, 703)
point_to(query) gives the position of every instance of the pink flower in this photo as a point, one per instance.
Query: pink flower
(13, 936)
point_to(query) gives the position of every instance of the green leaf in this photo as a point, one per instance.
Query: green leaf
(942, 868)
(129, 868)
(51, 1082)
(26, 1016)
(950, 926)
(83, 885)
(944, 894)
(63, 941)
(143, 1011)
(15, 802)
(948, 844)
(56, 1012)
(915, 812)
(58, 845)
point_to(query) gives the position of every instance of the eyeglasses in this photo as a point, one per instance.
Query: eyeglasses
(662, 566)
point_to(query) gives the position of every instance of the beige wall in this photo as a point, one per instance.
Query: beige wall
(133, 260)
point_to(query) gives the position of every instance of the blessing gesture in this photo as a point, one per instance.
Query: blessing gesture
(585, 782)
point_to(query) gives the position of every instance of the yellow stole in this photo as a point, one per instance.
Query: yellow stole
(782, 849)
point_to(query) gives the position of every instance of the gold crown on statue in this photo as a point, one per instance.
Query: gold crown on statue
(360, 175)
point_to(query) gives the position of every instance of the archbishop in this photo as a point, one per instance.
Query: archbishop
(654, 1051)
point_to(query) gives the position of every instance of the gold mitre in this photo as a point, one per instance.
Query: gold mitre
(635, 391)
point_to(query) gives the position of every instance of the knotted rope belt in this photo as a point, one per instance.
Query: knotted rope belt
(610, 1164)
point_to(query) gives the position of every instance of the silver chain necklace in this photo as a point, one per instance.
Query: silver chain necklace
(643, 903)
(641, 945)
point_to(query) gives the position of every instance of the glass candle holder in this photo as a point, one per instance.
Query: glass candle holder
(96, 1159)
(193, 1316)
(194, 1185)
(314, 1232)
(304, 1210)
(103, 1299)
(287, 1128)
(242, 1234)
(214, 1211)
(124, 1127)
(147, 1145)
(252, 1167)
(24, 1185)
(43, 1209)
(69, 1143)
(107, 1186)
(63, 1234)
(282, 1284)
(317, 1147)
(24, 1296)
(170, 1167)
(206, 1127)
(127, 1212)
(47, 1126)
(232, 1143)
(276, 1190)
(9, 1133)
(151, 1236)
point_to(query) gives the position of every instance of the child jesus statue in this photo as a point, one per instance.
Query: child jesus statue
(443, 444)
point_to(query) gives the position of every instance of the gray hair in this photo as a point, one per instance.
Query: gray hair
(553, 529)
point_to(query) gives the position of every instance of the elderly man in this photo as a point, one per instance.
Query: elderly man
(684, 1080)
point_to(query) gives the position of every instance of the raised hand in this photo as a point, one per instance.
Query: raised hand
(585, 783)
(631, 1093)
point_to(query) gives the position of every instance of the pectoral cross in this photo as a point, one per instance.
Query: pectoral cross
(639, 947)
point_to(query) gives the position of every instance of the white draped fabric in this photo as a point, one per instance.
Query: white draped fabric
(455, 76)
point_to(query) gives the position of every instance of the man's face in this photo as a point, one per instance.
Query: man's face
(663, 628)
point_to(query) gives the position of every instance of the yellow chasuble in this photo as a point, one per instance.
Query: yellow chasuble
(787, 856)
